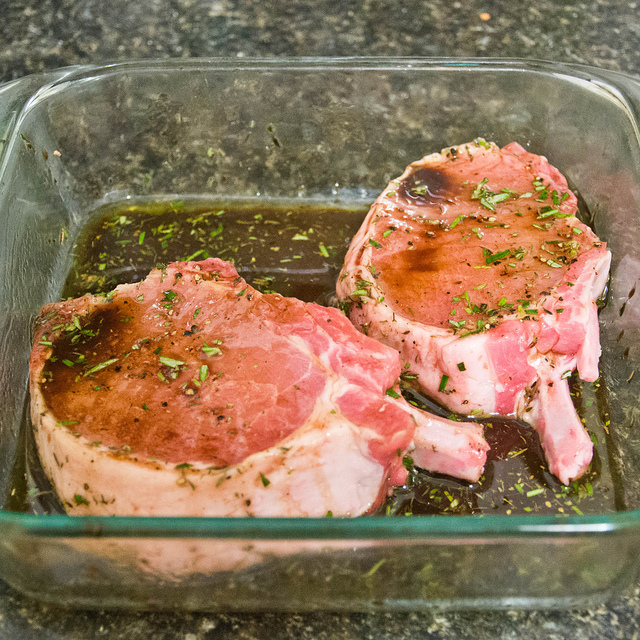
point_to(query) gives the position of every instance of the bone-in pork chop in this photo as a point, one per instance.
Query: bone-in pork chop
(474, 267)
(191, 393)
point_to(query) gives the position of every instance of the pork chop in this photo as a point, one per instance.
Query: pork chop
(191, 393)
(473, 265)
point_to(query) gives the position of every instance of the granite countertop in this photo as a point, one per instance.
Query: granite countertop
(39, 35)
(44, 34)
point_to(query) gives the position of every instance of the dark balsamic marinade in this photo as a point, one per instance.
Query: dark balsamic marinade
(298, 250)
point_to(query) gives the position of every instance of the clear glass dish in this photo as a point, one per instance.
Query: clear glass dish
(327, 131)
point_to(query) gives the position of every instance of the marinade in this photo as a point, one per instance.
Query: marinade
(297, 249)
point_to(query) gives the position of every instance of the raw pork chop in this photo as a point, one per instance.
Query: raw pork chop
(474, 267)
(191, 393)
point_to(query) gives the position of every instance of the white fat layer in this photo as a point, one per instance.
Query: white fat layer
(323, 466)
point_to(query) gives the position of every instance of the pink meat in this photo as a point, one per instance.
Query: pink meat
(474, 267)
(191, 393)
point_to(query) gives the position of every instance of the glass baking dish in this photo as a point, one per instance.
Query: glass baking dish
(312, 131)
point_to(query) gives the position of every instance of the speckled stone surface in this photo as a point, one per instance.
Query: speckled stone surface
(38, 35)
(24, 619)
(44, 34)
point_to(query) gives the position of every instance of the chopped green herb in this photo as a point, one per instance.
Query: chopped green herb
(550, 212)
(78, 499)
(193, 256)
(170, 362)
(204, 372)
(457, 221)
(99, 367)
(538, 184)
(443, 382)
(211, 351)
(323, 250)
(476, 194)
(489, 199)
(495, 257)
(375, 244)
(534, 492)
(145, 407)
(265, 481)
(375, 567)
(480, 327)
(481, 142)
(392, 393)
(461, 367)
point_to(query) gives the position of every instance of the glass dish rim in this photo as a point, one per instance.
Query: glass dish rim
(328, 62)
(365, 528)
(75, 73)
